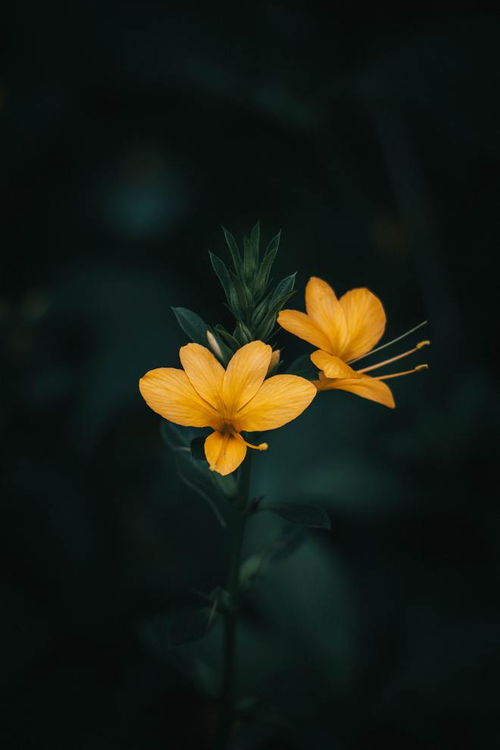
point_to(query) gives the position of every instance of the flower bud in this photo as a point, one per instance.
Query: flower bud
(214, 345)
(275, 360)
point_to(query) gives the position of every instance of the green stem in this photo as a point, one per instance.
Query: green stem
(227, 698)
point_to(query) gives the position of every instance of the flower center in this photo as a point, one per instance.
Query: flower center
(228, 429)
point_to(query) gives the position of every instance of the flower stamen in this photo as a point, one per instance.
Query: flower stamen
(418, 368)
(394, 359)
(260, 447)
(389, 343)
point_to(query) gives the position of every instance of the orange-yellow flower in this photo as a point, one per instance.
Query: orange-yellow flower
(344, 330)
(238, 399)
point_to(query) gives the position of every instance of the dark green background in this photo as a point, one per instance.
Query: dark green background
(130, 131)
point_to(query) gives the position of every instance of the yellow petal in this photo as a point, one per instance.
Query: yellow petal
(365, 317)
(325, 310)
(333, 367)
(168, 392)
(281, 399)
(245, 374)
(303, 326)
(204, 372)
(364, 386)
(224, 452)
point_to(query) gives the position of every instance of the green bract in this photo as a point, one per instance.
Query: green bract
(253, 299)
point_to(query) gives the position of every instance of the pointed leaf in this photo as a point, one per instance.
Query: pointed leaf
(193, 326)
(283, 287)
(250, 260)
(222, 273)
(259, 312)
(233, 343)
(233, 248)
(255, 235)
(267, 262)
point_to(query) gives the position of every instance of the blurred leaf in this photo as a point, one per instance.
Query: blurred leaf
(251, 567)
(311, 516)
(194, 473)
(290, 541)
(304, 367)
(256, 564)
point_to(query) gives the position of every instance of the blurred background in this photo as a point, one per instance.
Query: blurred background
(131, 131)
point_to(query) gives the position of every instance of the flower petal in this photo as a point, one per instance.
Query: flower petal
(280, 399)
(244, 375)
(364, 386)
(303, 326)
(365, 317)
(224, 452)
(332, 366)
(168, 392)
(325, 310)
(204, 372)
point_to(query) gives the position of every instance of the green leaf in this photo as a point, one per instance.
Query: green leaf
(290, 541)
(256, 565)
(251, 254)
(244, 295)
(233, 343)
(194, 473)
(226, 486)
(222, 273)
(176, 438)
(311, 516)
(193, 326)
(243, 333)
(304, 367)
(255, 235)
(252, 567)
(250, 260)
(283, 287)
(233, 248)
(260, 312)
(267, 263)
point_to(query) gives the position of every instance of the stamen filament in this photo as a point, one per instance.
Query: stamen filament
(418, 368)
(389, 343)
(394, 359)
(260, 447)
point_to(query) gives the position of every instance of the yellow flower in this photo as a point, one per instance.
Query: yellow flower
(344, 330)
(230, 401)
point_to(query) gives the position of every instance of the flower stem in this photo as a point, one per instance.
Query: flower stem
(227, 698)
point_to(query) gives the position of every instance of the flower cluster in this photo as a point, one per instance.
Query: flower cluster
(230, 387)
